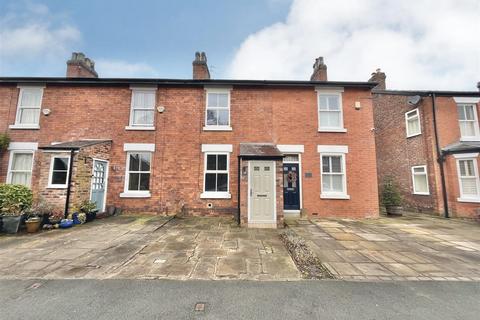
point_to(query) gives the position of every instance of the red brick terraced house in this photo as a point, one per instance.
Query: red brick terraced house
(255, 150)
(429, 143)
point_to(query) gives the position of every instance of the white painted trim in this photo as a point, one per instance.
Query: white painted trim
(476, 136)
(139, 128)
(330, 92)
(249, 221)
(475, 171)
(333, 130)
(143, 88)
(332, 149)
(473, 100)
(10, 162)
(471, 200)
(19, 125)
(291, 148)
(25, 146)
(337, 196)
(218, 90)
(417, 112)
(217, 128)
(140, 147)
(465, 155)
(135, 193)
(215, 195)
(299, 162)
(413, 174)
(138, 194)
(30, 86)
(50, 172)
(217, 148)
(106, 181)
(23, 127)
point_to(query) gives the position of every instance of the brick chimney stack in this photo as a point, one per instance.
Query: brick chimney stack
(478, 85)
(319, 70)
(379, 77)
(200, 67)
(80, 66)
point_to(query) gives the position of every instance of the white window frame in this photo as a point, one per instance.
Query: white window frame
(228, 127)
(142, 127)
(473, 157)
(334, 150)
(424, 167)
(417, 115)
(19, 125)
(10, 164)
(136, 193)
(331, 92)
(216, 149)
(475, 137)
(50, 173)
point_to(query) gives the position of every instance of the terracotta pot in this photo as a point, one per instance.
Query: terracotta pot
(33, 225)
(394, 210)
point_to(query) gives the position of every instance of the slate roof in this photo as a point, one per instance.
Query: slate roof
(462, 147)
(260, 150)
(73, 145)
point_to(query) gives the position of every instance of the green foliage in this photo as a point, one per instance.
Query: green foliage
(4, 141)
(86, 206)
(41, 208)
(14, 199)
(390, 194)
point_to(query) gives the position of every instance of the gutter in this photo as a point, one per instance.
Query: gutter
(440, 157)
(69, 182)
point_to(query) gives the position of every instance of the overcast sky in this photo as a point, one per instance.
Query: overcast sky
(420, 44)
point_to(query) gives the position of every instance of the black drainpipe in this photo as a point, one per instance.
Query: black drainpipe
(440, 158)
(69, 181)
(238, 192)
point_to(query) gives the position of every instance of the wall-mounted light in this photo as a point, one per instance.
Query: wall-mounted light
(358, 106)
(46, 112)
(160, 109)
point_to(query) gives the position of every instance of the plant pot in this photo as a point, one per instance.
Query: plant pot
(11, 223)
(394, 210)
(33, 225)
(66, 223)
(75, 218)
(91, 216)
(45, 220)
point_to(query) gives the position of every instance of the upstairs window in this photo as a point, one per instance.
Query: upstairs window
(412, 123)
(217, 114)
(142, 113)
(28, 108)
(330, 111)
(420, 180)
(468, 121)
(59, 169)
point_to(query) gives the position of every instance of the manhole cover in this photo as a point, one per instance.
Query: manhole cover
(200, 306)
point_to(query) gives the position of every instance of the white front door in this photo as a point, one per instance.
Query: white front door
(262, 192)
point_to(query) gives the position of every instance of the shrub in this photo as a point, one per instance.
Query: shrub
(4, 141)
(87, 206)
(41, 208)
(14, 199)
(390, 194)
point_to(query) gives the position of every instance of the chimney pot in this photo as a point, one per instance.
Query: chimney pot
(379, 77)
(319, 70)
(79, 66)
(200, 66)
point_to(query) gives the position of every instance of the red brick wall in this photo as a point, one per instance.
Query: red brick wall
(278, 115)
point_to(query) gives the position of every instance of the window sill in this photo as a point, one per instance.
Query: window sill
(215, 195)
(332, 130)
(140, 128)
(52, 186)
(217, 128)
(421, 193)
(473, 200)
(24, 127)
(470, 139)
(335, 196)
(414, 135)
(145, 194)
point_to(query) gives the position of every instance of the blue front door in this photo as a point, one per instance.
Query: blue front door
(291, 186)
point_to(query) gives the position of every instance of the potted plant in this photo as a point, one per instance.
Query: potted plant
(14, 200)
(391, 198)
(89, 208)
(56, 215)
(42, 210)
(33, 223)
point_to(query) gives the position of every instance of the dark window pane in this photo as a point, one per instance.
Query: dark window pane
(211, 162)
(133, 181)
(145, 181)
(336, 164)
(222, 162)
(134, 162)
(211, 117)
(222, 182)
(210, 182)
(145, 162)
(325, 164)
(59, 177)
(60, 164)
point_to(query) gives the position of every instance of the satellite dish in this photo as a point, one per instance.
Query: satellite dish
(414, 100)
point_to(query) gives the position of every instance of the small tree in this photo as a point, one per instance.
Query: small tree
(4, 141)
(391, 197)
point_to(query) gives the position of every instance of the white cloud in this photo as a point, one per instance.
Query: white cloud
(420, 44)
(121, 69)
